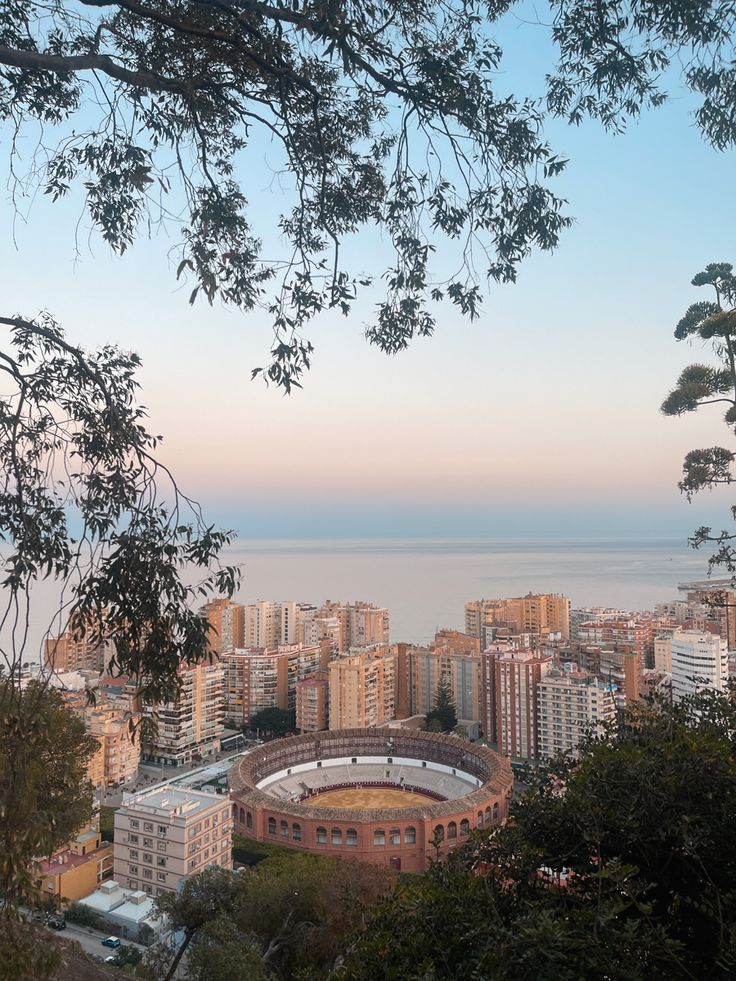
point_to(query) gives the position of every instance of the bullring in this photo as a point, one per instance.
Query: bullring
(312, 793)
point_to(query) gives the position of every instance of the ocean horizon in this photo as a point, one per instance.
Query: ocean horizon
(425, 582)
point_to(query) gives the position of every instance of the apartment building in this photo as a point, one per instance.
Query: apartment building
(163, 836)
(622, 669)
(570, 703)
(535, 613)
(629, 635)
(77, 650)
(363, 688)
(488, 660)
(455, 657)
(257, 679)
(313, 703)
(120, 749)
(518, 674)
(190, 726)
(227, 620)
(699, 660)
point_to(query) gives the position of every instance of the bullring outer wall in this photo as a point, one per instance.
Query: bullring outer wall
(408, 833)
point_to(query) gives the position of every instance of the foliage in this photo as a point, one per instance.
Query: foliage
(24, 956)
(714, 323)
(619, 865)
(107, 822)
(223, 952)
(83, 915)
(276, 721)
(248, 851)
(294, 912)
(127, 955)
(442, 717)
(383, 115)
(45, 796)
(80, 505)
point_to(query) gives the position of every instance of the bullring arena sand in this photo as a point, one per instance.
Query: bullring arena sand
(357, 798)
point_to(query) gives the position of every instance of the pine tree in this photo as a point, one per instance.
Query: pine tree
(442, 717)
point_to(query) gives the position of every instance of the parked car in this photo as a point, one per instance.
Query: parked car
(111, 942)
(56, 923)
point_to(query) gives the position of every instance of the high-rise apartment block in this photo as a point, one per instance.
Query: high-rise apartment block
(313, 703)
(569, 704)
(455, 658)
(535, 613)
(163, 836)
(518, 674)
(227, 620)
(77, 650)
(190, 726)
(363, 688)
(699, 660)
(120, 748)
(258, 679)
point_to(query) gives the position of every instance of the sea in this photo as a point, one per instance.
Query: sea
(425, 583)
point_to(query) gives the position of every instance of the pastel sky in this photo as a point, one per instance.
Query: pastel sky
(540, 419)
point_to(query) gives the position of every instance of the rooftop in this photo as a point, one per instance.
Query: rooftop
(171, 802)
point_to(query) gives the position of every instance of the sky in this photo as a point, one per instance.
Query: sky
(540, 419)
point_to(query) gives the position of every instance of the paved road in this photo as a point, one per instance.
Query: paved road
(91, 940)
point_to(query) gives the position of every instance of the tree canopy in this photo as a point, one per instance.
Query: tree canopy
(386, 115)
(713, 322)
(619, 864)
(442, 717)
(276, 721)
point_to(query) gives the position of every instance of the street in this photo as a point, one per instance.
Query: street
(90, 940)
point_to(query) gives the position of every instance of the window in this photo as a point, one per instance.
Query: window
(161, 830)
(465, 827)
(394, 836)
(495, 811)
(161, 846)
(133, 853)
(479, 823)
(284, 829)
(148, 873)
(439, 833)
(336, 836)
(351, 838)
(321, 836)
(147, 826)
(161, 876)
(379, 837)
(242, 816)
(272, 826)
(161, 861)
(296, 832)
(488, 817)
(135, 824)
(133, 839)
(410, 836)
(452, 830)
(148, 842)
(249, 820)
(147, 858)
(133, 870)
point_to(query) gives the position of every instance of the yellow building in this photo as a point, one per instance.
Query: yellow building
(76, 870)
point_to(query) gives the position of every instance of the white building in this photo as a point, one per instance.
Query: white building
(164, 835)
(699, 660)
(569, 703)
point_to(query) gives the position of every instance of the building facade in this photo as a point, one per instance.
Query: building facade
(191, 726)
(363, 688)
(165, 835)
(699, 660)
(569, 704)
(518, 674)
